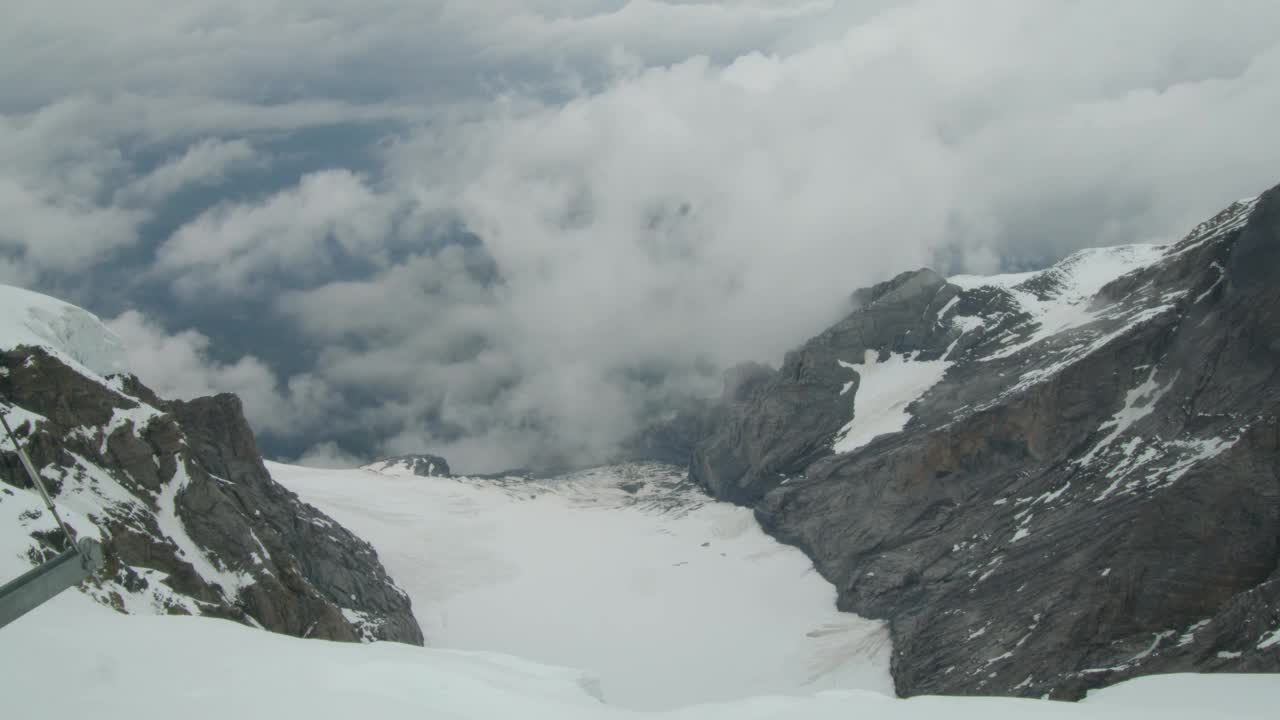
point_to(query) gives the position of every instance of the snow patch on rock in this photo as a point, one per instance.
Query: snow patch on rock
(885, 391)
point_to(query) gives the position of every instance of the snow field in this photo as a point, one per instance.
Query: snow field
(75, 336)
(669, 597)
(75, 659)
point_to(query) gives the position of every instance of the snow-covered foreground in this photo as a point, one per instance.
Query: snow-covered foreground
(73, 658)
(668, 597)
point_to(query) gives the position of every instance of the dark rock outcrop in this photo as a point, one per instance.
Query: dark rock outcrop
(1090, 492)
(421, 465)
(191, 521)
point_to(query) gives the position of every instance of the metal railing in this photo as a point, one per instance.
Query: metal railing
(40, 584)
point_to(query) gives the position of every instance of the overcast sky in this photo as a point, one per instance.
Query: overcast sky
(511, 232)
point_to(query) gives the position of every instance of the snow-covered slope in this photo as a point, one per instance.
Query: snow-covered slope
(670, 597)
(73, 335)
(73, 659)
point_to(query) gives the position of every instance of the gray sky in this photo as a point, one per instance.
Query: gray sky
(509, 232)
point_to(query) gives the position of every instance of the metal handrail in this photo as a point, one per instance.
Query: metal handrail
(40, 584)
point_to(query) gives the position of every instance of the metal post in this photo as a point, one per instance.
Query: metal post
(40, 584)
(35, 477)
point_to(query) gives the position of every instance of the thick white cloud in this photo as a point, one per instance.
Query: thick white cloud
(55, 231)
(49, 189)
(237, 248)
(725, 212)
(72, 195)
(662, 188)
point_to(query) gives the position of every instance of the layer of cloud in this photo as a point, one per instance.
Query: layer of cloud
(580, 210)
(431, 51)
(205, 162)
(180, 366)
(236, 248)
(723, 212)
(78, 186)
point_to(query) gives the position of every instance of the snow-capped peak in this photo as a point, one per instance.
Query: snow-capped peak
(73, 335)
(1078, 277)
(411, 465)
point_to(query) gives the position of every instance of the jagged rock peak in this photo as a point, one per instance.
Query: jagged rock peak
(904, 287)
(190, 520)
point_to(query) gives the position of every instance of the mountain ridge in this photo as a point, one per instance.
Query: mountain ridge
(1076, 427)
(190, 521)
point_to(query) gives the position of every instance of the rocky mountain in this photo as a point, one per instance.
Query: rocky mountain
(1045, 482)
(191, 521)
(416, 465)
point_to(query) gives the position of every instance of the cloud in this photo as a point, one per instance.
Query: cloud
(206, 162)
(179, 366)
(51, 231)
(452, 49)
(723, 212)
(76, 188)
(49, 194)
(235, 248)
(579, 211)
(328, 455)
(700, 209)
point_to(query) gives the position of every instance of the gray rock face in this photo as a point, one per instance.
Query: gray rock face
(191, 521)
(1090, 492)
(774, 425)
